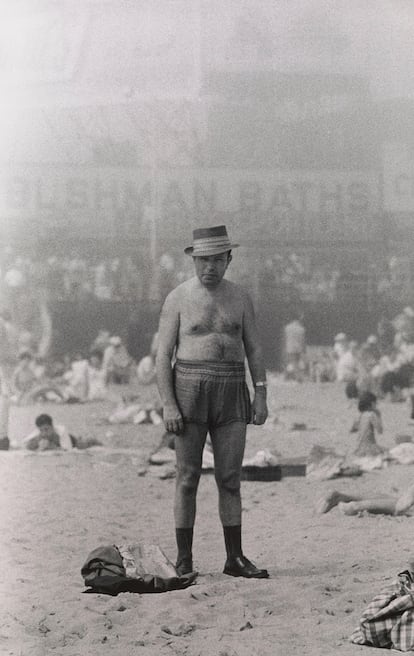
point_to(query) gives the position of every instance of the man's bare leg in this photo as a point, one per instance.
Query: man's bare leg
(189, 454)
(228, 446)
(331, 499)
(376, 506)
(352, 505)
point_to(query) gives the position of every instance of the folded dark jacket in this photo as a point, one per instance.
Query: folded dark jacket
(104, 573)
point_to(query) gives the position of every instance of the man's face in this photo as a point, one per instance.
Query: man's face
(211, 269)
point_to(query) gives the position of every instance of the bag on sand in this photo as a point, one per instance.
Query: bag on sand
(388, 621)
(112, 569)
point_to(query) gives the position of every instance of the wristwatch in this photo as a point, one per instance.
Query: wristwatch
(261, 383)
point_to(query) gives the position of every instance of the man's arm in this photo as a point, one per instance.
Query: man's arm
(64, 437)
(31, 441)
(167, 341)
(255, 359)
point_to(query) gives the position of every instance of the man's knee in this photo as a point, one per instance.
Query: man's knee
(187, 480)
(228, 481)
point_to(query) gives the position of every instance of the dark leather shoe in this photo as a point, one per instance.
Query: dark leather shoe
(184, 566)
(241, 566)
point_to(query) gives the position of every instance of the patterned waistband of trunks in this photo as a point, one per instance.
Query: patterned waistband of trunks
(211, 369)
(212, 393)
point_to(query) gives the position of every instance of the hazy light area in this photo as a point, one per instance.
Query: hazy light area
(125, 124)
(206, 83)
(371, 38)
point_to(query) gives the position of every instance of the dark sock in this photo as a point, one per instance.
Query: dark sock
(232, 539)
(184, 537)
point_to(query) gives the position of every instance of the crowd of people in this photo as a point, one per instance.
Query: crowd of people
(76, 278)
(207, 335)
(308, 278)
(82, 377)
(382, 364)
(130, 278)
(294, 275)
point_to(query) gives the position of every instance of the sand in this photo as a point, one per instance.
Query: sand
(57, 507)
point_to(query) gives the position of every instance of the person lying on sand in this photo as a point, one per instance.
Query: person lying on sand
(49, 436)
(379, 505)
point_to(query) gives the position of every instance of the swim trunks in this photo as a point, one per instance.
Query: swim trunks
(212, 393)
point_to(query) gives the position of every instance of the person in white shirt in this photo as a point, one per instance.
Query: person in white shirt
(295, 349)
(340, 345)
(347, 366)
(97, 389)
(146, 371)
(117, 362)
(48, 436)
(77, 383)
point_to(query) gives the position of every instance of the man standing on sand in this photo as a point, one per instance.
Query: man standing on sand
(208, 324)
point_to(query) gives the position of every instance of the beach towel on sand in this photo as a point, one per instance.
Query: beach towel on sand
(388, 620)
(112, 569)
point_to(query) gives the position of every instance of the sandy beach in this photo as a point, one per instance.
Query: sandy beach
(56, 507)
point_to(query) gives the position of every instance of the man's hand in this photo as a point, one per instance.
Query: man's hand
(43, 444)
(173, 420)
(259, 409)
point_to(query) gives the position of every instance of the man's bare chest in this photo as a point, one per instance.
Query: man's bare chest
(219, 318)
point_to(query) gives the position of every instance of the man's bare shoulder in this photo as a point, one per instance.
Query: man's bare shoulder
(237, 291)
(181, 292)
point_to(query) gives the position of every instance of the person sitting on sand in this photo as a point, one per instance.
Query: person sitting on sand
(75, 380)
(117, 362)
(101, 341)
(30, 384)
(96, 375)
(49, 436)
(368, 423)
(24, 376)
(147, 378)
(379, 505)
(146, 371)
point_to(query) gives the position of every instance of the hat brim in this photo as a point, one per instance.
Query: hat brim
(210, 251)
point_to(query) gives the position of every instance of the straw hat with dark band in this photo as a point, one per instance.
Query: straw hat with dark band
(210, 241)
